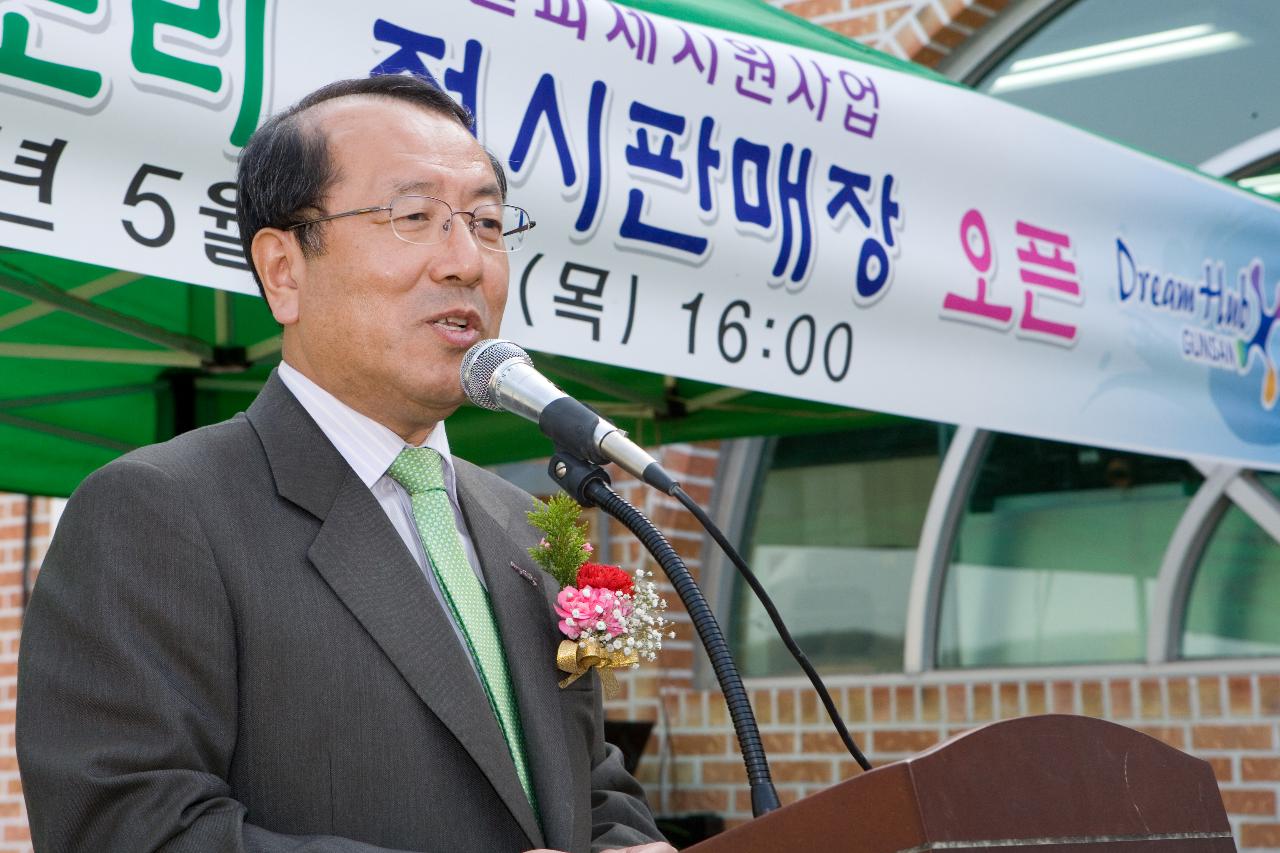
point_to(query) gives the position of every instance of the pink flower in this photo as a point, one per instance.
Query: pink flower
(595, 610)
(587, 547)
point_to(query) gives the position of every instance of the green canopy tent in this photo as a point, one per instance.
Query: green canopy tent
(95, 362)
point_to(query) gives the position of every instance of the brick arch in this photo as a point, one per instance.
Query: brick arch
(923, 31)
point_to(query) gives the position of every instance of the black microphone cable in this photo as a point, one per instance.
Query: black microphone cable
(796, 652)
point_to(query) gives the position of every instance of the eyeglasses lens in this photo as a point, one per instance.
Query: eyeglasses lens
(422, 220)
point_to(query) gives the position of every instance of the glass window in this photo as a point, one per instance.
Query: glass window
(1267, 183)
(1057, 555)
(1183, 79)
(1235, 596)
(833, 538)
(1063, 574)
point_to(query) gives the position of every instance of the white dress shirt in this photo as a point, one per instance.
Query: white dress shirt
(370, 448)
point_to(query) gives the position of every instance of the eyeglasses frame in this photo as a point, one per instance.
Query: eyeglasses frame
(452, 213)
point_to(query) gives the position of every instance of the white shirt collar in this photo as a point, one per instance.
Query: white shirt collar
(368, 446)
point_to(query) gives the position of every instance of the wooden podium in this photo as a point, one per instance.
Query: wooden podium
(1048, 784)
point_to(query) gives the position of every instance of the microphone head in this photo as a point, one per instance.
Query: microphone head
(479, 365)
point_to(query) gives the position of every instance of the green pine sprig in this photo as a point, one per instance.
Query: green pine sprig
(565, 536)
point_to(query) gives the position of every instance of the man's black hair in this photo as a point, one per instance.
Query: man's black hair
(285, 169)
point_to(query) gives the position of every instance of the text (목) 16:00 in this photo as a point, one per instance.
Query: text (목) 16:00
(803, 345)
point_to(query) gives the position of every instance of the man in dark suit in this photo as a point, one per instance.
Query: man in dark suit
(261, 636)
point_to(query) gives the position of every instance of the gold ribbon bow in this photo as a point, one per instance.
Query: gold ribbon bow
(578, 659)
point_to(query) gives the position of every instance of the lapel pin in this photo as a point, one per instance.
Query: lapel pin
(525, 573)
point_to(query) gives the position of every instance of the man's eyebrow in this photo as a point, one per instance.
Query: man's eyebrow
(488, 190)
(415, 188)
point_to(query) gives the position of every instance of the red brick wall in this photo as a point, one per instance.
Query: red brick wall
(921, 30)
(14, 837)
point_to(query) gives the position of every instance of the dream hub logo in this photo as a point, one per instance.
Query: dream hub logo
(1227, 328)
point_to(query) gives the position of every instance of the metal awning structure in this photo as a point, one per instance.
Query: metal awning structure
(96, 362)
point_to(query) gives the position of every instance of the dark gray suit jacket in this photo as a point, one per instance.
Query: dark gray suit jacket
(230, 649)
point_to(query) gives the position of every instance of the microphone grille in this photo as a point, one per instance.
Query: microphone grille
(479, 365)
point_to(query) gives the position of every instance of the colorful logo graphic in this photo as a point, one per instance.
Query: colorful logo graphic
(1261, 337)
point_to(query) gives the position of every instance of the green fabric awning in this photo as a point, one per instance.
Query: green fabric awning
(95, 362)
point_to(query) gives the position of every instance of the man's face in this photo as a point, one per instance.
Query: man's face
(383, 324)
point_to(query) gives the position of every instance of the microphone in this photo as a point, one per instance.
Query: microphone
(498, 375)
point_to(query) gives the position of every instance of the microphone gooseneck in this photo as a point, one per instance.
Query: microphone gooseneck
(589, 484)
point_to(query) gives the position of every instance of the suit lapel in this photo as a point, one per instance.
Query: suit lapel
(530, 638)
(363, 560)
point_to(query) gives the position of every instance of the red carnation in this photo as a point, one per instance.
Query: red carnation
(599, 576)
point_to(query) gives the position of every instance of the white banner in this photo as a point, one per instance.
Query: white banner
(709, 205)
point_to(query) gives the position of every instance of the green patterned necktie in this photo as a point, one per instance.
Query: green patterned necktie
(420, 471)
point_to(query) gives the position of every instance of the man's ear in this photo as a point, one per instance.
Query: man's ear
(278, 259)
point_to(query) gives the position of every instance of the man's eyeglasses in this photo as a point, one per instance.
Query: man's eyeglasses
(425, 220)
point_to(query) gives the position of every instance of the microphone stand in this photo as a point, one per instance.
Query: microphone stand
(589, 485)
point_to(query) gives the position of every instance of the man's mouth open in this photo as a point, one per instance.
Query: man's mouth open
(458, 329)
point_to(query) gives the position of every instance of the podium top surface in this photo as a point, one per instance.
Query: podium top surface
(1046, 783)
(1063, 776)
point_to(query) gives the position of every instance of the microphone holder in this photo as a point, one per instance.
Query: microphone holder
(590, 486)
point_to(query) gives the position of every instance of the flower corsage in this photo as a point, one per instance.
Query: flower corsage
(611, 619)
